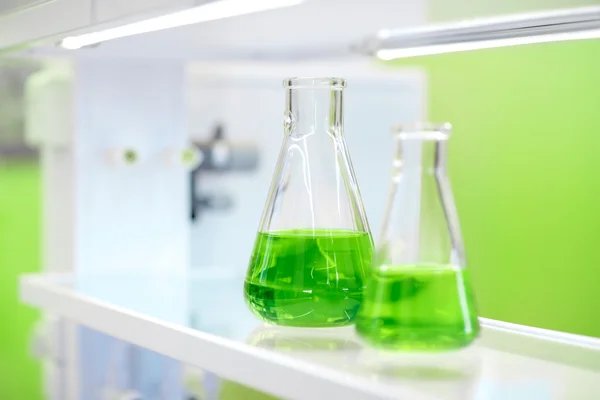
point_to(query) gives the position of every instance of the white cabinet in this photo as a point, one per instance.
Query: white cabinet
(28, 20)
(108, 10)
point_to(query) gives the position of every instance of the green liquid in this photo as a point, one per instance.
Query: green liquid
(418, 307)
(307, 278)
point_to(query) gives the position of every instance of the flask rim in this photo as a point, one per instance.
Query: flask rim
(309, 82)
(423, 130)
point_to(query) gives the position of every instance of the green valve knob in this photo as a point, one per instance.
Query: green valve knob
(130, 156)
(191, 157)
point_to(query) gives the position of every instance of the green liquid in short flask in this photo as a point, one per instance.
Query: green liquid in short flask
(419, 307)
(309, 279)
(419, 297)
(313, 251)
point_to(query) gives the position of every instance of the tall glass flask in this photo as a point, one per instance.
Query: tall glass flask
(420, 295)
(313, 249)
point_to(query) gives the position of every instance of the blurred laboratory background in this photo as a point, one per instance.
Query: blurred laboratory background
(523, 163)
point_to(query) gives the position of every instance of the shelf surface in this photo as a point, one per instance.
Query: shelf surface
(202, 320)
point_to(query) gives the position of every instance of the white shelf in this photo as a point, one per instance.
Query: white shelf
(202, 321)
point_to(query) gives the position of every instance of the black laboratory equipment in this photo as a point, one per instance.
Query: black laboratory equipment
(218, 155)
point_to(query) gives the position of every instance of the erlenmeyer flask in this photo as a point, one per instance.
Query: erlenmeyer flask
(420, 295)
(314, 248)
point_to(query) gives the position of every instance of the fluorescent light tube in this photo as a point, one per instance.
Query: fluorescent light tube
(486, 33)
(391, 54)
(207, 12)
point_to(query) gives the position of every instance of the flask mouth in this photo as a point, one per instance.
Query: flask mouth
(423, 131)
(314, 83)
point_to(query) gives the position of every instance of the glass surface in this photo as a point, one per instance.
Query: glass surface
(314, 247)
(420, 295)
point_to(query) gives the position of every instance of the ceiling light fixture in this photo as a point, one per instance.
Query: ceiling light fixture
(485, 33)
(207, 12)
(391, 54)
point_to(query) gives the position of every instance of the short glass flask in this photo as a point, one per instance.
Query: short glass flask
(419, 296)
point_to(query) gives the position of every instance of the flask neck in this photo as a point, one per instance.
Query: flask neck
(421, 156)
(311, 111)
(421, 225)
(314, 185)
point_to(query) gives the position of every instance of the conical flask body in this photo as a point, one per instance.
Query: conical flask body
(313, 249)
(419, 296)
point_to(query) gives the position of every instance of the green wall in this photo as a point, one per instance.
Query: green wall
(525, 167)
(20, 375)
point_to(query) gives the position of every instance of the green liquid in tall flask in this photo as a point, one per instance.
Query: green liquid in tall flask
(309, 278)
(418, 307)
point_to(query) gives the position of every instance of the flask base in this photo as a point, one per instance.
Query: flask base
(418, 307)
(419, 340)
(299, 309)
